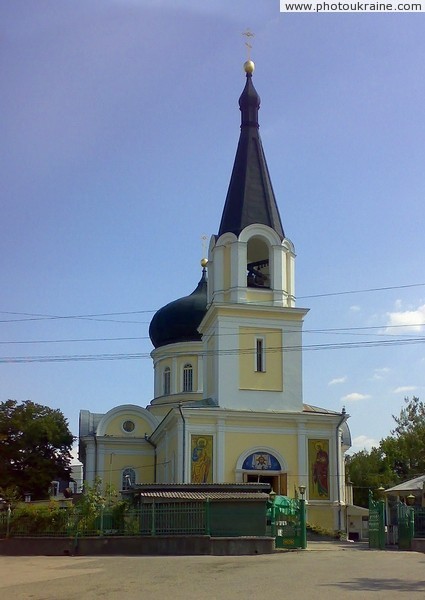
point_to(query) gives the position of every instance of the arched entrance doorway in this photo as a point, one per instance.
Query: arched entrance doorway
(264, 466)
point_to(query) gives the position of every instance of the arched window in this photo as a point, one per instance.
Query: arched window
(128, 478)
(167, 381)
(188, 378)
(258, 267)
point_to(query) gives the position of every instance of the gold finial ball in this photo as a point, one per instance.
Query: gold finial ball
(249, 67)
(204, 262)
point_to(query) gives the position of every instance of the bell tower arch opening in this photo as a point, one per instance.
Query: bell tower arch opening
(258, 263)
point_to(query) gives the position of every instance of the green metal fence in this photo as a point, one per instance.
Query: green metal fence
(376, 523)
(288, 522)
(406, 526)
(189, 518)
(150, 519)
(419, 521)
(185, 518)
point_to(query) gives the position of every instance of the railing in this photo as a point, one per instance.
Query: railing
(419, 522)
(288, 522)
(406, 526)
(191, 518)
(376, 523)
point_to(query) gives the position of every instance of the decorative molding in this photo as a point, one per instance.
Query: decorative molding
(259, 449)
(126, 410)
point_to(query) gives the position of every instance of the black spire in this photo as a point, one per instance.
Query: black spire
(250, 197)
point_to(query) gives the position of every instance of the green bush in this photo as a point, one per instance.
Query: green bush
(39, 520)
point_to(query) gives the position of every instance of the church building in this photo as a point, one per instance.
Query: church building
(228, 405)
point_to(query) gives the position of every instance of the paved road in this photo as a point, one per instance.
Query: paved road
(325, 571)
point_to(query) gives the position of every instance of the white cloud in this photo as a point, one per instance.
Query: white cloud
(355, 308)
(380, 373)
(354, 397)
(406, 321)
(362, 442)
(338, 380)
(403, 389)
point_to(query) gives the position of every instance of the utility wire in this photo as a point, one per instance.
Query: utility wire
(97, 316)
(380, 289)
(229, 352)
(332, 330)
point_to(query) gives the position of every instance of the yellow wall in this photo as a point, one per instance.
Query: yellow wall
(110, 471)
(321, 515)
(260, 295)
(115, 429)
(272, 378)
(169, 461)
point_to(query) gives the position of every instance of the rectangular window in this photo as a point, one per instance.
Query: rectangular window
(260, 363)
(187, 378)
(167, 381)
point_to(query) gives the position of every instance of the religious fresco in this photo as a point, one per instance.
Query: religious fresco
(261, 461)
(318, 463)
(201, 458)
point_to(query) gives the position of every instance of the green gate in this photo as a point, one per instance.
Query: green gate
(406, 526)
(419, 521)
(376, 523)
(287, 522)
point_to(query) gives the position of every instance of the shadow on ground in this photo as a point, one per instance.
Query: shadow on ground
(365, 584)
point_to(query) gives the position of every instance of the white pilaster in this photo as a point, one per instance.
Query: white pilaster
(174, 389)
(89, 475)
(218, 277)
(220, 451)
(302, 455)
(200, 374)
(238, 262)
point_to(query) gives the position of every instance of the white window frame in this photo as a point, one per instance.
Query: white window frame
(187, 377)
(166, 382)
(128, 472)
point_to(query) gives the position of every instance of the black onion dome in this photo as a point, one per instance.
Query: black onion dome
(179, 320)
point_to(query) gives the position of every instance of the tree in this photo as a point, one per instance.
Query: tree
(35, 446)
(409, 435)
(399, 457)
(368, 471)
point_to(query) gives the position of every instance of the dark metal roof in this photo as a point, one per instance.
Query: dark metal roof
(179, 320)
(193, 496)
(317, 409)
(193, 492)
(250, 197)
(204, 487)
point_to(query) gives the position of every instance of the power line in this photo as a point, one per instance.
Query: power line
(331, 330)
(380, 289)
(36, 317)
(97, 316)
(229, 352)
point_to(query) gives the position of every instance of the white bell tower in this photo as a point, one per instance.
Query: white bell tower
(252, 330)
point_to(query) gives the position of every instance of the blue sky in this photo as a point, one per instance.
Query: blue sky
(118, 130)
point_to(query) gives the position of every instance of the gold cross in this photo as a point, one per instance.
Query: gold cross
(248, 34)
(204, 244)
